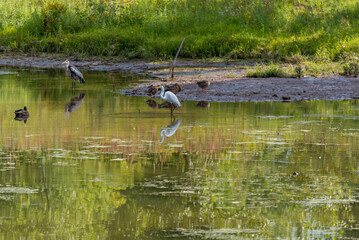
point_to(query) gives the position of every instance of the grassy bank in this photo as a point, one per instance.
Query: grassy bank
(144, 29)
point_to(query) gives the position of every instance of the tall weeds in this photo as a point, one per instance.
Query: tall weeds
(153, 29)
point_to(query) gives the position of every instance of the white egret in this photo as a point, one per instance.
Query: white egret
(171, 98)
(74, 73)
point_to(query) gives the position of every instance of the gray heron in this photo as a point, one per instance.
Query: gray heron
(74, 73)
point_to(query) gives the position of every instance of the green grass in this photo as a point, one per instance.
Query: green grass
(305, 68)
(284, 30)
(266, 71)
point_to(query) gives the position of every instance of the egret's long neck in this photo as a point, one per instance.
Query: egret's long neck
(162, 93)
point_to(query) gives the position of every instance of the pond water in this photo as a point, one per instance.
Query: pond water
(93, 164)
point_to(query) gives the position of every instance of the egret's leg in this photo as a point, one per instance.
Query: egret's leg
(172, 109)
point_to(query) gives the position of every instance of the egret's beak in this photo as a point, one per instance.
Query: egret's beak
(157, 88)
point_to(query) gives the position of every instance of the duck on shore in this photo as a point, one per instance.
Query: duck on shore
(174, 88)
(203, 85)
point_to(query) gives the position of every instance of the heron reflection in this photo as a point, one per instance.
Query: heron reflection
(74, 103)
(169, 130)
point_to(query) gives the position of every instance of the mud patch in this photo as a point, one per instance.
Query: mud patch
(231, 85)
(228, 81)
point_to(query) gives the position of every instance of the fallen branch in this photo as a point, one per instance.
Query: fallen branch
(174, 62)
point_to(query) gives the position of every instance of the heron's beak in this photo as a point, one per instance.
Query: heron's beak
(64, 62)
(157, 88)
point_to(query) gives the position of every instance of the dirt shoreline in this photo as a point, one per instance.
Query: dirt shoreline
(229, 84)
(228, 81)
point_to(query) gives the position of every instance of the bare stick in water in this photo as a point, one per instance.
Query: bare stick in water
(174, 62)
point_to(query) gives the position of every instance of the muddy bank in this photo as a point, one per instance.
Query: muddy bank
(228, 81)
(231, 85)
(136, 67)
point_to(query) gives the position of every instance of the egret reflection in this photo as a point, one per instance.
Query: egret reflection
(169, 130)
(203, 104)
(74, 103)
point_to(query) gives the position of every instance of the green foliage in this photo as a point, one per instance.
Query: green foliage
(351, 69)
(299, 71)
(52, 13)
(213, 28)
(266, 71)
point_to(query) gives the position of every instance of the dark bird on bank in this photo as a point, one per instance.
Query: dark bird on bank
(152, 91)
(203, 104)
(74, 103)
(22, 115)
(203, 85)
(74, 73)
(175, 88)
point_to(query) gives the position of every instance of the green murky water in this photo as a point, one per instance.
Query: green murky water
(92, 164)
